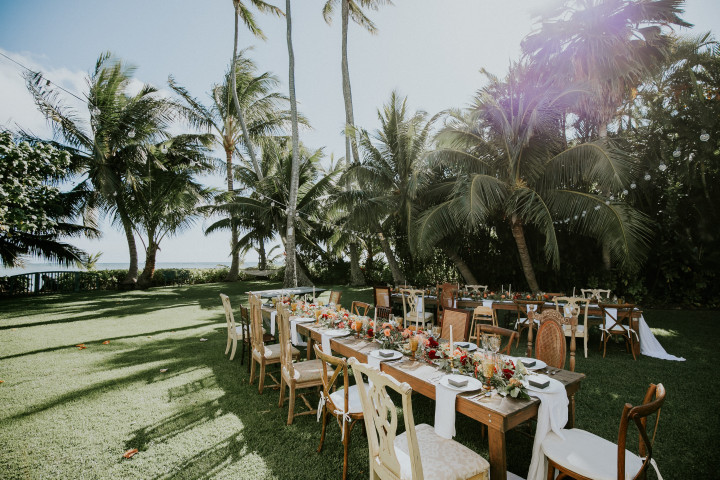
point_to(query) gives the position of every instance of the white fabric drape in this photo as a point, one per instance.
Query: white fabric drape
(445, 411)
(552, 416)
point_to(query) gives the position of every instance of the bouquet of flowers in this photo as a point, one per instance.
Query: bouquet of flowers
(390, 337)
(502, 374)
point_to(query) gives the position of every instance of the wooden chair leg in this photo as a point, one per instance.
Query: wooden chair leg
(261, 380)
(227, 349)
(234, 348)
(346, 449)
(322, 431)
(282, 391)
(550, 472)
(252, 369)
(291, 405)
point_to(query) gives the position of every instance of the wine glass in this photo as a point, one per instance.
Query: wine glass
(413, 344)
(494, 343)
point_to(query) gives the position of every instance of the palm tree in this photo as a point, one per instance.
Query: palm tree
(507, 156)
(164, 199)
(264, 110)
(106, 151)
(389, 177)
(351, 9)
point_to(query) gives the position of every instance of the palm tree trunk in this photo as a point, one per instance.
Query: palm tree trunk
(238, 109)
(234, 235)
(460, 264)
(291, 279)
(519, 235)
(357, 278)
(262, 261)
(607, 264)
(397, 274)
(145, 279)
(132, 275)
(350, 141)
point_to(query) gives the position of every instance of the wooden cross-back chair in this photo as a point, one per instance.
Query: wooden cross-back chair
(572, 308)
(382, 314)
(295, 376)
(416, 453)
(414, 308)
(481, 315)
(526, 311)
(581, 454)
(495, 330)
(342, 403)
(447, 295)
(359, 308)
(618, 322)
(262, 355)
(459, 318)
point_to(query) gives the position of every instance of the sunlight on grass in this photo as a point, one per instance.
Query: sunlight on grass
(661, 332)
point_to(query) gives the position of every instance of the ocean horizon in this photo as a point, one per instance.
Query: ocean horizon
(50, 267)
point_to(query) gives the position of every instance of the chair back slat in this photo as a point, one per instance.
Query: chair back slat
(256, 330)
(359, 308)
(382, 313)
(382, 296)
(476, 288)
(460, 321)
(413, 303)
(229, 317)
(616, 316)
(638, 415)
(283, 324)
(339, 370)
(495, 330)
(335, 296)
(550, 344)
(381, 420)
(597, 294)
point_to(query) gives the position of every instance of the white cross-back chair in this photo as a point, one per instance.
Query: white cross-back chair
(418, 452)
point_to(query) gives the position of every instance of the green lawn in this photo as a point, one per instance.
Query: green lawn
(71, 413)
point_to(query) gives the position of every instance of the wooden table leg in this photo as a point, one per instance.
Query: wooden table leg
(310, 348)
(498, 454)
(571, 412)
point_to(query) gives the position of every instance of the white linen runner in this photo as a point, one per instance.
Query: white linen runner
(273, 314)
(325, 342)
(445, 411)
(294, 337)
(552, 416)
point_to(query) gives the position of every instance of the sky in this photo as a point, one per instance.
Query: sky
(431, 51)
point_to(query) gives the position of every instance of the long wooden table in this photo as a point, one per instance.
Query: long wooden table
(498, 413)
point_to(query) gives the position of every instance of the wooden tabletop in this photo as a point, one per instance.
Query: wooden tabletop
(500, 414)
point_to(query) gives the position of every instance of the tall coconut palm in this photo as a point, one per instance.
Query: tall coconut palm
(265, 111)
(351, 9)
(389, 177)
(508, 157)
(164, 198)
(106, 150)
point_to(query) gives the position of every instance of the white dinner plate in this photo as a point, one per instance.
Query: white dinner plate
(336, 333)
(473, 383)
(376, 354)
(469, 346)
(554, 387)
(303, 320)
(539, 364)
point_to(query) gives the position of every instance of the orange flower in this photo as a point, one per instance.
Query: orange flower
(106, 342)
(130, 453)
(502, 296)
(528, 297)
(386, 325)
(386, 332)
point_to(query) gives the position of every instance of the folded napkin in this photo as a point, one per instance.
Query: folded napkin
(445, 411)
(487, 303)
(374, 361)
(325, 342)
(552, 416)
(294, 337)
(273, 314)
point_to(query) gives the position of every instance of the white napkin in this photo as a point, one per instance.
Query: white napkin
(552, 416)
(610, 316)
(487, 303)
(445, 411)
(294, 337)
(373, 361)
(325, 342)
(420, 306)
(273, 314)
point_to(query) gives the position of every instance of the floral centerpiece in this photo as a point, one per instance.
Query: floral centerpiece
(495, 371)
(391, 337)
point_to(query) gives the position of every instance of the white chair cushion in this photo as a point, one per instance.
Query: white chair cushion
(354, 405)
(308, 370)
(442, 458)
(588, 455)
(273, 351)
